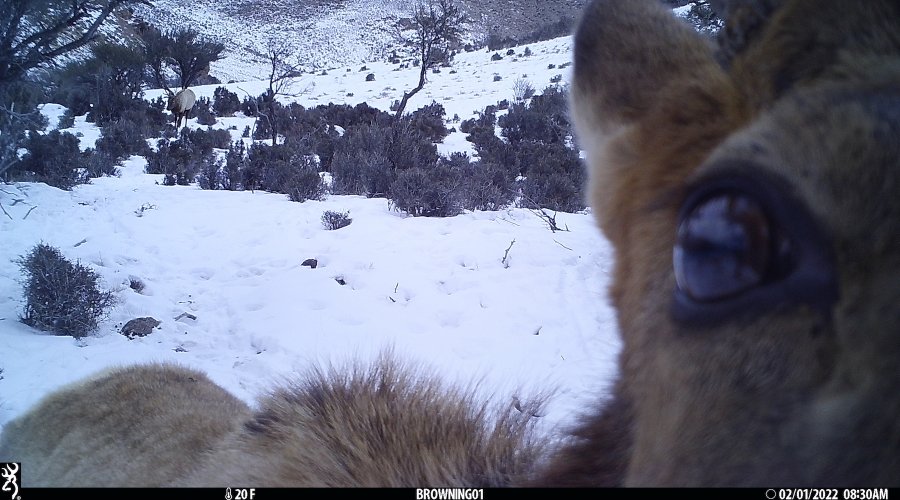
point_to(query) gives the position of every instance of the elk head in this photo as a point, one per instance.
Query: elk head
(753, 198)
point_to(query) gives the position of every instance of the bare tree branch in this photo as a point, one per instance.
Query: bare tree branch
(33, 33)
(437, 26)
(283, 68)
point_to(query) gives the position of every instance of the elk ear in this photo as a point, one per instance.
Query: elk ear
(649, 101)
(626, 52)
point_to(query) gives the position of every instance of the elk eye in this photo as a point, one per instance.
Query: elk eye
(726, 244)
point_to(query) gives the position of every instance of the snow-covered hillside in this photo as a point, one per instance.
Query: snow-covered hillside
(325, 34)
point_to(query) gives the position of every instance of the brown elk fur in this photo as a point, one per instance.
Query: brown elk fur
(788, 378)
(134, 426)
(163, 425)
(385, 425)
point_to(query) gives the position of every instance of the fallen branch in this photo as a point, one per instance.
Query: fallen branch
(4, 211)
(29, 212)
(540, 212)
(504, 261)
(560, 244)
(550, 220)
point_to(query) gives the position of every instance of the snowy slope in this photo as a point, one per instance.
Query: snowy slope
(325, 34)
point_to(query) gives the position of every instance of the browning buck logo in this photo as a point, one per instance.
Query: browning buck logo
(9, 472)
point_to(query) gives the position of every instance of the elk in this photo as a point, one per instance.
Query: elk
(751, 192)
(180, 104)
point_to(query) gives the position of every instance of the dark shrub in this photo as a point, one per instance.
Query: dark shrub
(123, 138)
(428, 192)
(136, 284)
(282, 169)
(211, 175)
(335, 220)
(250, 106)
(54, 158)
(303, 181)
(360, 165)
(553, 102)
(488, 186)
(60, 296)
(496, 57)
(111, 106)
(465, 126)
(480, 129)
(324, 147)
(263, 166)
(555, 178)
(67, 120)
(183, 159)
(429, 120)
(208, 139)
(366, 173)
(225, 103)
(545, 119)
(127, 135)
(156, 115)
(346, 116)
(99, 163)
(524, 124)
(203, 112)
(408, 147)
(235, 163)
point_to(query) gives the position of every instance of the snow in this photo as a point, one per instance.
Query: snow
(463, 89)
(320, 36)
(435, 290)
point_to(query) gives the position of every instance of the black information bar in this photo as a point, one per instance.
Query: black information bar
(469, 493)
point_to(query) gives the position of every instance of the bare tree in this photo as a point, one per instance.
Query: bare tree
(437, 25)
(34, 32)
(283, 67)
